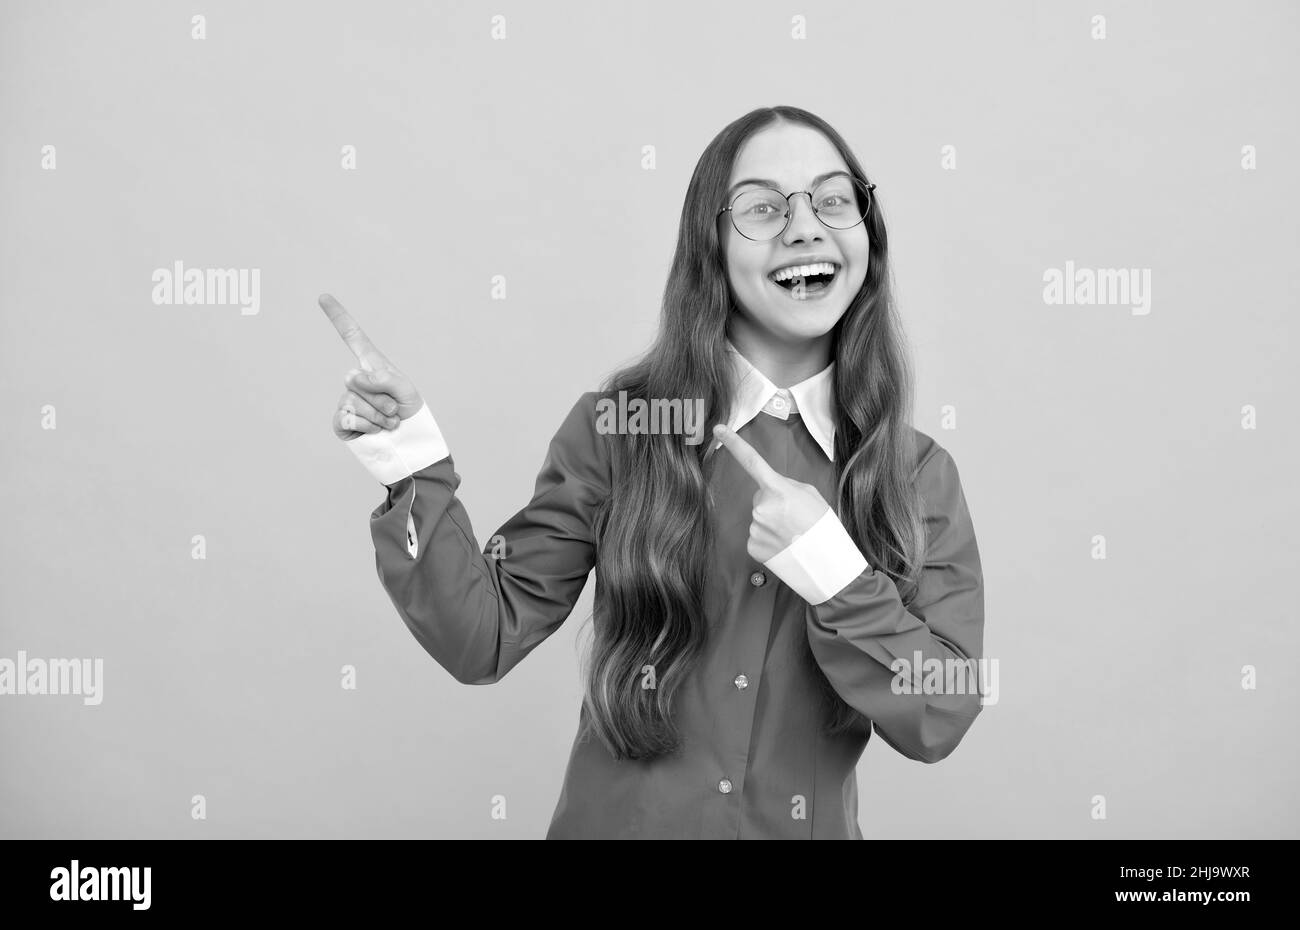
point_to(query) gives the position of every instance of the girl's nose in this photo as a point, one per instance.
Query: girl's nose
(803, 220)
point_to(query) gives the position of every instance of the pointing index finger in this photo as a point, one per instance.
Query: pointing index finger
(368, 357)
(747, 456)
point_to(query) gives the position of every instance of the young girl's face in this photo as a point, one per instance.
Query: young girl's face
(792, 155)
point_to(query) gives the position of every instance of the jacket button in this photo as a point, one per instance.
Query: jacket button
(741, 682)
(725, 786)
(758, 579)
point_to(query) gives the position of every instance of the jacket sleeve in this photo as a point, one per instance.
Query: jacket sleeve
(877, 654)
(479, 610)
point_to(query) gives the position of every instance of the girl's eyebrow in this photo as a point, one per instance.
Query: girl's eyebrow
(768, 182)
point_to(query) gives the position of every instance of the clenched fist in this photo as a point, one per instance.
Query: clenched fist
(378, 395)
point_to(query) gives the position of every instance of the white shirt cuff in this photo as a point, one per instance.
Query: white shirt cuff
(393, 454)
(821, 562)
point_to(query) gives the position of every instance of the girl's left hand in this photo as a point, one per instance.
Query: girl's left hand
(784, 509)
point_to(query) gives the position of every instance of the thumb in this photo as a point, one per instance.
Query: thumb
(379, 378)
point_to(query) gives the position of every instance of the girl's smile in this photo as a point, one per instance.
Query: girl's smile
(807, 277)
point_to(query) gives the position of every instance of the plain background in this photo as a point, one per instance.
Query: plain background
(1119, 677)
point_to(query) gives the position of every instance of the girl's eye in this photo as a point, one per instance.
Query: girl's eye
(759, 208)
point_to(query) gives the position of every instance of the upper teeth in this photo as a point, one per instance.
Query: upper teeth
(803, 271)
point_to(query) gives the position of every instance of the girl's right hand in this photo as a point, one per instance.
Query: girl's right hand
(378, 395)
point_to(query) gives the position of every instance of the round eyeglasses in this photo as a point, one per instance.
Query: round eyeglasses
(840, 202)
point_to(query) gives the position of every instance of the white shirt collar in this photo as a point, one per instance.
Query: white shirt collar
(811, 398)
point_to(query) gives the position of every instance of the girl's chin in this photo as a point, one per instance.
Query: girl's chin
(807, 310)
(801, 325)
(803, 314)
(794, 320)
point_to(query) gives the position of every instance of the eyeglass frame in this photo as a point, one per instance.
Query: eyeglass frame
(789, 211)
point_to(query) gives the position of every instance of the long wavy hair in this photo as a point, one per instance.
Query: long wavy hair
(654, 533)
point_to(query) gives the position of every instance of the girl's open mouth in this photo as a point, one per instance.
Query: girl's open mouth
(803, 282)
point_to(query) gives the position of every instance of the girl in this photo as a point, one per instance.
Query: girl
(765, 600)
